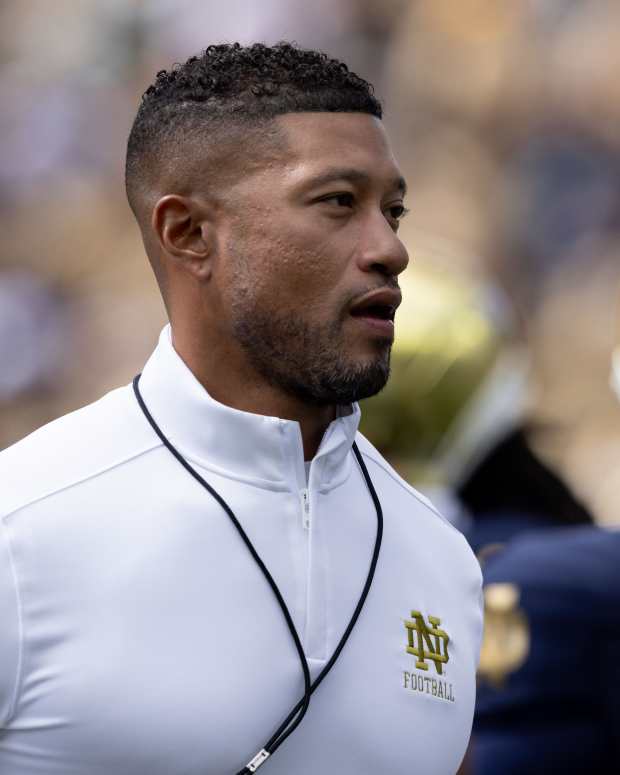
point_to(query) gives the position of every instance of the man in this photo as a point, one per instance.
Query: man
(179, 561)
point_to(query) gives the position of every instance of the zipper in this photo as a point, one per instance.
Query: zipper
(305, 508)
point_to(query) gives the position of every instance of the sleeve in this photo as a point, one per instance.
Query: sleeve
(477, 596)
(10, 630)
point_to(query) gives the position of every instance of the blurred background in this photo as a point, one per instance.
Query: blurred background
(504, 117)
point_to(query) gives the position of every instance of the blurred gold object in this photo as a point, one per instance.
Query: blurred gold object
(506, 640)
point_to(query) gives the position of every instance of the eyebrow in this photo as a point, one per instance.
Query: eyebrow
(353, 175)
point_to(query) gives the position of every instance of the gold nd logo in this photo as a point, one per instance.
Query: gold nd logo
(429, 641)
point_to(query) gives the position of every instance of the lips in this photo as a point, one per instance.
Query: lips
(375, 312)
(377, 305)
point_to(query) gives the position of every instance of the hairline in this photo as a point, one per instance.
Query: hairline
(219, 125)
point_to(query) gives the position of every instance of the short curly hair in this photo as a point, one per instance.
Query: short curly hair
(233, 84)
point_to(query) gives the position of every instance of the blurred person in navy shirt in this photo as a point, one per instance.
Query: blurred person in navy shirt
(549, 699)
(549, 691)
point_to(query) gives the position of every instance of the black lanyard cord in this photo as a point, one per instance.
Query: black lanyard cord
(294, 718)
(272, 745)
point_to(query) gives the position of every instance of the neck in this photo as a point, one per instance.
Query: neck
(241, 387)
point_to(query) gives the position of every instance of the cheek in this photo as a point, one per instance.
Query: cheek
(318, 261)
(293, 265)
(309, 282)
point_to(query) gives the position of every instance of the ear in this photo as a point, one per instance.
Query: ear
(185, 232)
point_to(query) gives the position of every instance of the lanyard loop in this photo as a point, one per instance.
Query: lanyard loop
(294, 718)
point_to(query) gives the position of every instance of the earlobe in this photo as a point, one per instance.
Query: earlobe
(183, 232)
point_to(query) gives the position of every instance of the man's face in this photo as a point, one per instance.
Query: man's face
(308, 258)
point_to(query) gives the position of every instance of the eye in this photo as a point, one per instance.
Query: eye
(395, 214)
(344, 199)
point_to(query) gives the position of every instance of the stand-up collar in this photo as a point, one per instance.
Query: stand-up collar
(267, 451)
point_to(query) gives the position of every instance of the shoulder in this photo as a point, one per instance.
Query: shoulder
(414, 501)
(377, 461)
(413, 525)
(583, 559)
(72, 449)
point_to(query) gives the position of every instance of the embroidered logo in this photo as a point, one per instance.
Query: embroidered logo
(427, 641)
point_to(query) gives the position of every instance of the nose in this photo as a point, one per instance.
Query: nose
(381, 249)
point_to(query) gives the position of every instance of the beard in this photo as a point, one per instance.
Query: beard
(307, 361)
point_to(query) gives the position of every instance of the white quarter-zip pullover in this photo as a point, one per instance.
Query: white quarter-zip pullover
(138, 635)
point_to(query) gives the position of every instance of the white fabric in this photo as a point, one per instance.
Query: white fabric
(139, 636)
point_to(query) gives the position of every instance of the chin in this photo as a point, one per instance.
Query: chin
(361, 380)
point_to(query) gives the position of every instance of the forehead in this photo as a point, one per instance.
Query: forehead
(318, 141)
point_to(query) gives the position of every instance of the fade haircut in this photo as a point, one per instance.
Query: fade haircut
(198, 105)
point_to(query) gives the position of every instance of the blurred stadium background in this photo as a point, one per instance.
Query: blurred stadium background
(505, 119)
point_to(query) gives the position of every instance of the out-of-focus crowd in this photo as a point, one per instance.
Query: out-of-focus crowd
(504, 117)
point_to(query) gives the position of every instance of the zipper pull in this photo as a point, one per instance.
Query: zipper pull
(305, 508)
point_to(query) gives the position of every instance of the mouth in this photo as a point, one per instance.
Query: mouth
(377, 309)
